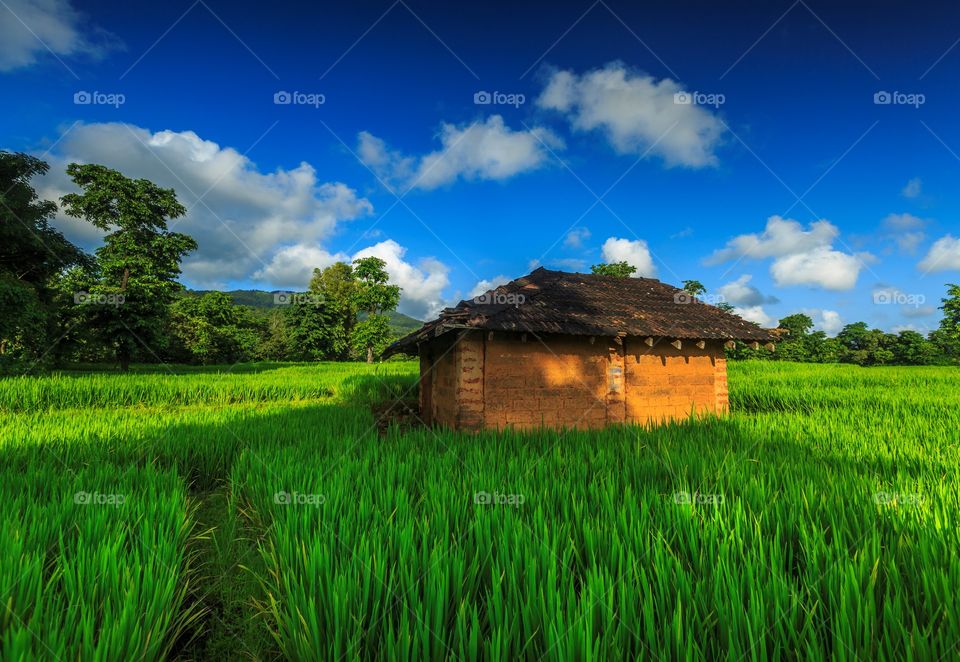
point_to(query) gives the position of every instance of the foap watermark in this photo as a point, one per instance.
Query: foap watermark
(907, 499)
(699, 99)
(284, 98)
(494, 298)
(84, 98)
(897, 98)
(298, 298)
(98, 499)
(299, 499)
(897, 298)
(498, 499)
(696, 498)
(495, 98)
(684, 298)
(98, 299)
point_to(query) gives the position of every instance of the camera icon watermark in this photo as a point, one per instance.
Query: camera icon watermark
(494, 298)
(684, 298)
(897, 298)
(97, 499)
(84, 98)
(298, 299)
(896, 98)
(906, 499)
(699, 99)
(98, 299)
(698, 499)
(498, 499)
(495, 98)
(284, 98)
(284, 498)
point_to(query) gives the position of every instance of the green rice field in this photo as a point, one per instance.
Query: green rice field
(262, 513)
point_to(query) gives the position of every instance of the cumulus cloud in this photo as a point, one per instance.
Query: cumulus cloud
(576, 237)
(239, 215)
(802, 256)
(782, 236)
(740, 293)
(820, 267)
(754, 314)
(28, 28)
(634, 253)
(913, 189)
(905, 230)
(481, 150)
(636, 113)
(422, 282)
(488, 284)
(944, 255)
(828, 321)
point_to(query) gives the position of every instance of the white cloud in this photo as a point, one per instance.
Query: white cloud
(782, 236)
(820, 267)
(803, 256)
(422, 283)
(740, 293)
(28, 28)
(246, 217)
(481, 150)
(634, 253)
(486, 285)
(944, 255)
(918, 311)
(576, 237)
(828, 321)
(754, 314)
(637, 114)
(905, 230)
(913, 189)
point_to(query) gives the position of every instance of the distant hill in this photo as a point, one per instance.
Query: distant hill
(400, 324)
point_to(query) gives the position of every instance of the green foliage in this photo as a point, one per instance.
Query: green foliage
(373, 295)
(32, 254)
(209, 329)
(694, 288)
(135, 279)
(621, 269)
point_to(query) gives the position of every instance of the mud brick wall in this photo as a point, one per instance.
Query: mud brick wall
(479, 380)
(665, 383)
(558, 381)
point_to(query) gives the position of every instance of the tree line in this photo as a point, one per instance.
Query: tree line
(124, 303)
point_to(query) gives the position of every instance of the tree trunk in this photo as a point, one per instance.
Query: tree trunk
(370, 354)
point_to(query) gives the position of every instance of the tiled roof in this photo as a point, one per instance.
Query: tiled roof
(588, 305)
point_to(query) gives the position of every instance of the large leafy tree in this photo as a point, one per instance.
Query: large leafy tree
(212, 329)
(374, 295)
(135, 278)
(336, 286)
(947, 337)
(32, 255)
(621, 269)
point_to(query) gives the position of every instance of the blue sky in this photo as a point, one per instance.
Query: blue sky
(786, 185)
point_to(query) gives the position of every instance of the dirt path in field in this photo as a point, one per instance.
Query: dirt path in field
(224, 588)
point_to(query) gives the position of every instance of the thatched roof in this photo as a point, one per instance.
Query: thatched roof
(588, 305)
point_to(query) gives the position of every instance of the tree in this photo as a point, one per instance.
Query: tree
(621, 269)
(912, 348)
(794, 345)
(694, 288)
(373, 296)
(32, 255)
(337, 286)
(135, 278)
(211, 329)
(947, 336)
